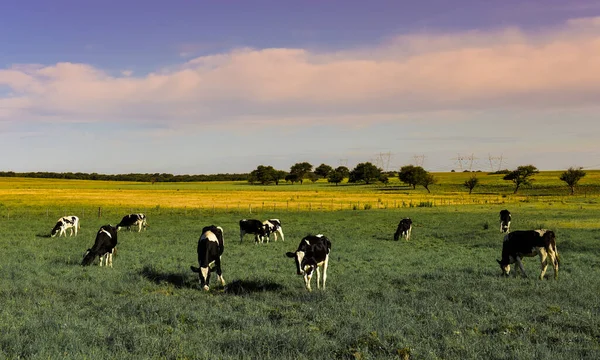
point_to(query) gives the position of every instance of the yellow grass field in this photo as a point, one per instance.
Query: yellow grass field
(55, 193)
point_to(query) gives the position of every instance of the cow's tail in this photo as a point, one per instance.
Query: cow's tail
(551, 248)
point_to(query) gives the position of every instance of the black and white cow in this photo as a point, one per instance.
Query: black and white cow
(132, 220)
(210, 249)
(255, 227)
(505, 218)
(313, 252)
(529, 243)
(64, 223)
(104, 246)
(273, 226)
(404, 229)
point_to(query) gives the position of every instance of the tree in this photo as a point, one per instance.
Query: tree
(312, 177)
(428, 180)
(338, 175)
(471, 183)
(572, 177)
(291, 178)
(412, 175)
(300, 170)
(521, 176)
(280, 175)
(323, 170)
(366, 172)
(263, 174)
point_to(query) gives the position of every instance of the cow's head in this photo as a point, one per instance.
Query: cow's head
(56, 229)
(299, 257)
(504, 267)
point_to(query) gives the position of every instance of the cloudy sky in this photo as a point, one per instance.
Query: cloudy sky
(204, 87)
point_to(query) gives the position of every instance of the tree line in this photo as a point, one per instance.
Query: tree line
(163, 177)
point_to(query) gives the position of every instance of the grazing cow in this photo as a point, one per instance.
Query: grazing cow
(519, 244)
(273, 226)
(104, 246)
(64, 223)
(404, 229)
(313, 252)
(132, 220)
(255, 227)
(505, 221)
(210, 249)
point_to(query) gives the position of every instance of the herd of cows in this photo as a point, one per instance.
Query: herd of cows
(312, 254)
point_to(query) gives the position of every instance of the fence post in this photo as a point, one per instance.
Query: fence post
(250, 207)
(99, 212)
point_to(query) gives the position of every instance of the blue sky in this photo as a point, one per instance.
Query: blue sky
(208, 87)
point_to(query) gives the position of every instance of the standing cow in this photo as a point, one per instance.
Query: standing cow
(519, 244)
(312, 253)
(505, 218)
(66, 223)
(210, 248)
(253, 226)
(130, 220)
(404, 229)
(104, 246)
(273, 226)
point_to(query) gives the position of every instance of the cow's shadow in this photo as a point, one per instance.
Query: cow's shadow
(42, 235)
(246, 287)
(179, 280)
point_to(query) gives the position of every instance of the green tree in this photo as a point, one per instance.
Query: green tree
(412, 175)
(572, 177)
(338, 175)
(521, 176)
(300, 170)
(291, 178)
(280, 175)
(323, 170)
(366, 172)
(263, 174)
(427, 181)
(471, 183)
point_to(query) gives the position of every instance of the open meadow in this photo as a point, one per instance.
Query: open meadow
(439, 295)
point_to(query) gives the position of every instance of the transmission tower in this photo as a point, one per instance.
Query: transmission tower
(419, 160)
(343, 162)
(383, 160)
(465, 162)
(495, 160)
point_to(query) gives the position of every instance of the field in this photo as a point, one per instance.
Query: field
(439, 295)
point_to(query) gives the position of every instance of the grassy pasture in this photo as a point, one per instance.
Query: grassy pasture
(438, 296)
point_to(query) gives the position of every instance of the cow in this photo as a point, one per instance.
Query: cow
(104, 246)
(132, 220)
(255, 227)
(404, 229)
(505, 221)
(210, 248)
(273, 226)
(529, 243)
(64, 223)
(312, 253)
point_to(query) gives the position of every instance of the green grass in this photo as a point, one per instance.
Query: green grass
(439, 295)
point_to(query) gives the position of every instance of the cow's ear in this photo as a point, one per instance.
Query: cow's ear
(499, 262)
(290, 254)
(194, 269)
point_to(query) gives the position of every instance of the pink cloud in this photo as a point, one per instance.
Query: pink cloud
(506, 68)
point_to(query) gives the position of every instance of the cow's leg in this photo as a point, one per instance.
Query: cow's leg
(318, 277)
(508, 227)
(543, 262)
(409, 231)
(219, 272)
(307, 281)
(280, 231)
(101, 258)
(204, 277)
(521, 267)
(109, 258)
(325, 265)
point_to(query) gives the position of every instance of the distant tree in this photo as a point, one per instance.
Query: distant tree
(263, 174)
(384, 178)
(300, 170)
(338, 175)
(572, 177)
(521, 176)
(412, 175)
(471, 183)
(366, 172)
(280, 175)
(427, 181)
(323, 170)
(291, 178)
(312, 177)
